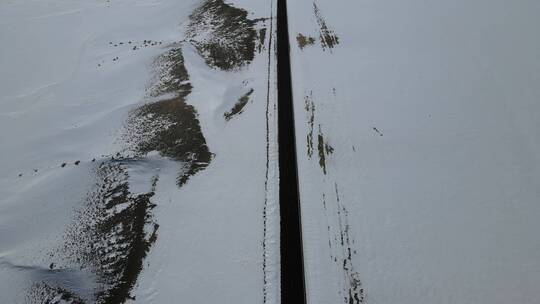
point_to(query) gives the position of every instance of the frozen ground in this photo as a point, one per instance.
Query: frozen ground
(138, 152)
(417, 132)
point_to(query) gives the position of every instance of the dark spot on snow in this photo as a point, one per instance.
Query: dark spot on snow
(239, 106)
(262, 38)
(328, 38)
(222, 34)
(309, 106)
(63, 165)
(328, 149)
(304, 41)
(324, 150)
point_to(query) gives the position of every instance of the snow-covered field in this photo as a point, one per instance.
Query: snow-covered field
(138, 152)
(417, 126)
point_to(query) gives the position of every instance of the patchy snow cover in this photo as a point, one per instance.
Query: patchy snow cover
(138, 155)
(417, 129)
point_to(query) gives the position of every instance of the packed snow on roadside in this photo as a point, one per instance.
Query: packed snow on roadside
(138, 152)
(417, 128)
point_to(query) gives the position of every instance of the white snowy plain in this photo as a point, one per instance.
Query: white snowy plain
(66, 92)
(432, 109)
(420, 184)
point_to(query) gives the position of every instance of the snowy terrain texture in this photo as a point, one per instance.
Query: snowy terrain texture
(139, 157)
(417, 128)
(138, 152)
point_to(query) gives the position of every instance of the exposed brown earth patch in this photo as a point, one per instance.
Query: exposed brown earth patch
(324, 150)
(222, 34)
(304, 41)
(262, 39)
(309, 106)
(112, 235)
(329, 39)
(239, 106)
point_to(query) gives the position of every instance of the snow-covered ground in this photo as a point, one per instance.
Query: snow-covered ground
(138, 150)
(87, 211)
(417, 128)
